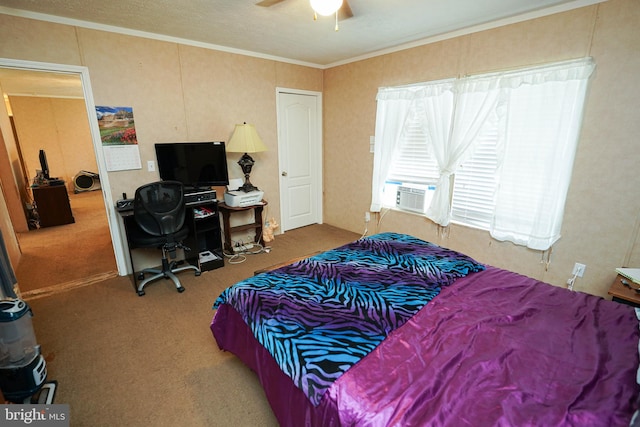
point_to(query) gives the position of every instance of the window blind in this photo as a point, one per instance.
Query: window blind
(475, 183)
(414, 160)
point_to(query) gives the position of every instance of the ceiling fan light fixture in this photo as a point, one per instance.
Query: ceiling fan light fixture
(326, 7)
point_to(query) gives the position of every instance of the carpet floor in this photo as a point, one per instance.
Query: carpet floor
(125, 360)
(68, 254)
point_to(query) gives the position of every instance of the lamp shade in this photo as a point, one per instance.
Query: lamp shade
(326, 7)
(245, 139)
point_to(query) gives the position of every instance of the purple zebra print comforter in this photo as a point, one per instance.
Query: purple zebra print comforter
(320, 316)
(493, 349)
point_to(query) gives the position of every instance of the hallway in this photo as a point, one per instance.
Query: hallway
(68, 255)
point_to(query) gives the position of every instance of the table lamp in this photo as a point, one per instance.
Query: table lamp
(245, 139)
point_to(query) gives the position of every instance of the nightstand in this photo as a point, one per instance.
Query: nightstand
(623, 294)
(226, 212)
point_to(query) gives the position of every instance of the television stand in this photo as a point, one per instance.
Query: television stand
(52, 204)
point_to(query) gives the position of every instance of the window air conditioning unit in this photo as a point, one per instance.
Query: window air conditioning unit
(86, 181)
(411, 198)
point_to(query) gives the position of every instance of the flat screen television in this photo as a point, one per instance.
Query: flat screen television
(44, 165)
(195, 164)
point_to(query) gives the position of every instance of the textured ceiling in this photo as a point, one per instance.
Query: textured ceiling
(287, 30)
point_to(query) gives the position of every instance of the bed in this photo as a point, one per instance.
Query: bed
(391, 330)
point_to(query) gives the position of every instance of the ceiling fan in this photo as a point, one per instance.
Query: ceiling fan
(344, 12)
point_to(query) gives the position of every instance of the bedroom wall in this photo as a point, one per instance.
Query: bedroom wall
(600, 227)
(183, 93)
(60, 127)
(178, 92)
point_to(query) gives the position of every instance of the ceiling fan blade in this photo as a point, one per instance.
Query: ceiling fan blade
(345, 11)
(267, 3)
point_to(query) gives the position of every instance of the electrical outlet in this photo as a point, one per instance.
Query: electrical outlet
(578, 269)
(367, 217)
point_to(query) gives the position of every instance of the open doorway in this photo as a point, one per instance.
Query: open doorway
(82, 251)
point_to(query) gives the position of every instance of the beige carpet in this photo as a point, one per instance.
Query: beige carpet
(71, 253)
(125, 360)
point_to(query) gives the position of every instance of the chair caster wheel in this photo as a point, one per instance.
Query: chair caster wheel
(140, 293)
(181, 289)
(198, 273)
(140, 276)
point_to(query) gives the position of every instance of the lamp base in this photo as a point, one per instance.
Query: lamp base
(248, 187)
(246, 163)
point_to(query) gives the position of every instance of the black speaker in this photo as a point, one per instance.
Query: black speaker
(86, 181)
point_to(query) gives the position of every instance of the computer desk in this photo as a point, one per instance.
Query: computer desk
(204, 235)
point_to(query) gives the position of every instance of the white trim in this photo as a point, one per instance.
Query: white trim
(83, 72)
(317, 154)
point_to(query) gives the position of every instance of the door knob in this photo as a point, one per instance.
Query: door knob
(284, 174)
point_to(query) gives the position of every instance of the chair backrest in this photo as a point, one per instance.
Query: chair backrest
(159, 207)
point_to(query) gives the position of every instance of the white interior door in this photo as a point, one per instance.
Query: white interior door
(300, 157)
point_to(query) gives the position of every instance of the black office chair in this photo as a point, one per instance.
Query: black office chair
(159, 213)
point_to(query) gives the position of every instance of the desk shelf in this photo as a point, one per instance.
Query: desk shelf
(207, 224)
(205, 235)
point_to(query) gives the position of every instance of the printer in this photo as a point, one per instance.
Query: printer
(240, 199)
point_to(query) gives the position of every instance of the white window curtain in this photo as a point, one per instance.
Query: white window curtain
(454, 127)
(544, 111)
(540, 111)
(393, 111)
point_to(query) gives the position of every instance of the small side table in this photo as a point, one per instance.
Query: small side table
(226, 212)
(623, 294)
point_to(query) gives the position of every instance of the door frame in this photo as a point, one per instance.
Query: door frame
(83, 73)
(316, 153)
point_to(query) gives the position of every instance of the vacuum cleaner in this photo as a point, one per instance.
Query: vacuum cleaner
(23, 370)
